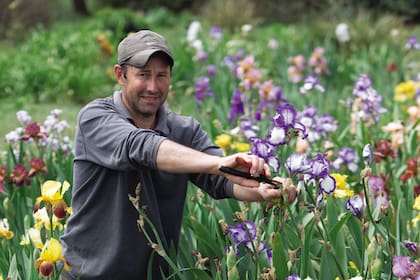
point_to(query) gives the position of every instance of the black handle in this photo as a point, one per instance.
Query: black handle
(261, 179)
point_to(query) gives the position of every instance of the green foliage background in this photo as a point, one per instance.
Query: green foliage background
(62, 64)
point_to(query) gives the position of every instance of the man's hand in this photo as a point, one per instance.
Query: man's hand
(251, 164)
(267, 192)
(264, 192)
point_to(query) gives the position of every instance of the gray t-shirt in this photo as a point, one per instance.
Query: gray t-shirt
(112, 155)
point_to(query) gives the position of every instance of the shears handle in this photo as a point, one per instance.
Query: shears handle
(262, 178)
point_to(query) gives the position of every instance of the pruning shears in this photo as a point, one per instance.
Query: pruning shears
(262, 178)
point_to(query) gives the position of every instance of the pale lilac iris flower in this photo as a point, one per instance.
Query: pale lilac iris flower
(412, 43)
(404, 268)
(293, 277)
(317, 127)
(311, 82)
(347, 157)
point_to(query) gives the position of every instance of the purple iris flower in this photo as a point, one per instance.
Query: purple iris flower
(285, 124)
(216, 33)
(202, 56)
(403, 268)
(320, 171)
(211, 70)
(411, 246)
(319, 199)
(317, 127)
(309, 111)
(320, 167)
(367, 154)
(236, 105)
(242, 233)
(246, 234)
(346, 157)
(363, 84)
(298, 163)
(258, 112)
(264, 149)
(311, 82)
(376, 184)
(370, 107)
(313, 169)
(327, 184)
(231, 62)
(326, 123)
(381, 200)
(293, 277)
(355, 205)
(248, 128)
(202, 88)
(412, 43)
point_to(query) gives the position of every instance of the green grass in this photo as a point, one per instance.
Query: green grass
(10, 106)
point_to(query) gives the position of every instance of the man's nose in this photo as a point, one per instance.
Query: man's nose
(152, 84)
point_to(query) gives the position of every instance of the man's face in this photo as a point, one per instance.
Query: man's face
(145, 89)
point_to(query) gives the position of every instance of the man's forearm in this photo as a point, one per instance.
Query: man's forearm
(175, 158)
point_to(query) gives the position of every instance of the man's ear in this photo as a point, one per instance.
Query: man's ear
(119, 75)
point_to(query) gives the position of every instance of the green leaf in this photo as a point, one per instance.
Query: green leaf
(13, 269)
(338, 243)
(196, 273)
(355, 228)
(205, 239)
(336, 229)
(293, 238)
(327, 268)
(412, 143)
(305, 261)
(279, 257)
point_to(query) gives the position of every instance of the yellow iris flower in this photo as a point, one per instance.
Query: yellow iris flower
(52, 193)
(405, 91)
(241, 147)
(223, 140)
(415, 220)
(417, 203)
(34, 235)
(341, 189)
(51, 253)
(42, 218)
(5, 231)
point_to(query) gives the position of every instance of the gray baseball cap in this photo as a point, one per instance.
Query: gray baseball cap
(137, 47)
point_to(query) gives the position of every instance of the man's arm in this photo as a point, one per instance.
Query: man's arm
(175, 158)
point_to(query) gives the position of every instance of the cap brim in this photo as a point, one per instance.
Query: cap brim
(140, 59)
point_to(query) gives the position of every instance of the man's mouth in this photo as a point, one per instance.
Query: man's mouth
(150, 98)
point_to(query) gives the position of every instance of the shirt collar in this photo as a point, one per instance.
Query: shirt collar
(120, 105)
(162, 115)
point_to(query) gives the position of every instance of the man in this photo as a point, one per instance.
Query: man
(131, 139)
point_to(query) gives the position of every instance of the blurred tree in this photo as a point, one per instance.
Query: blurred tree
(80, 7)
